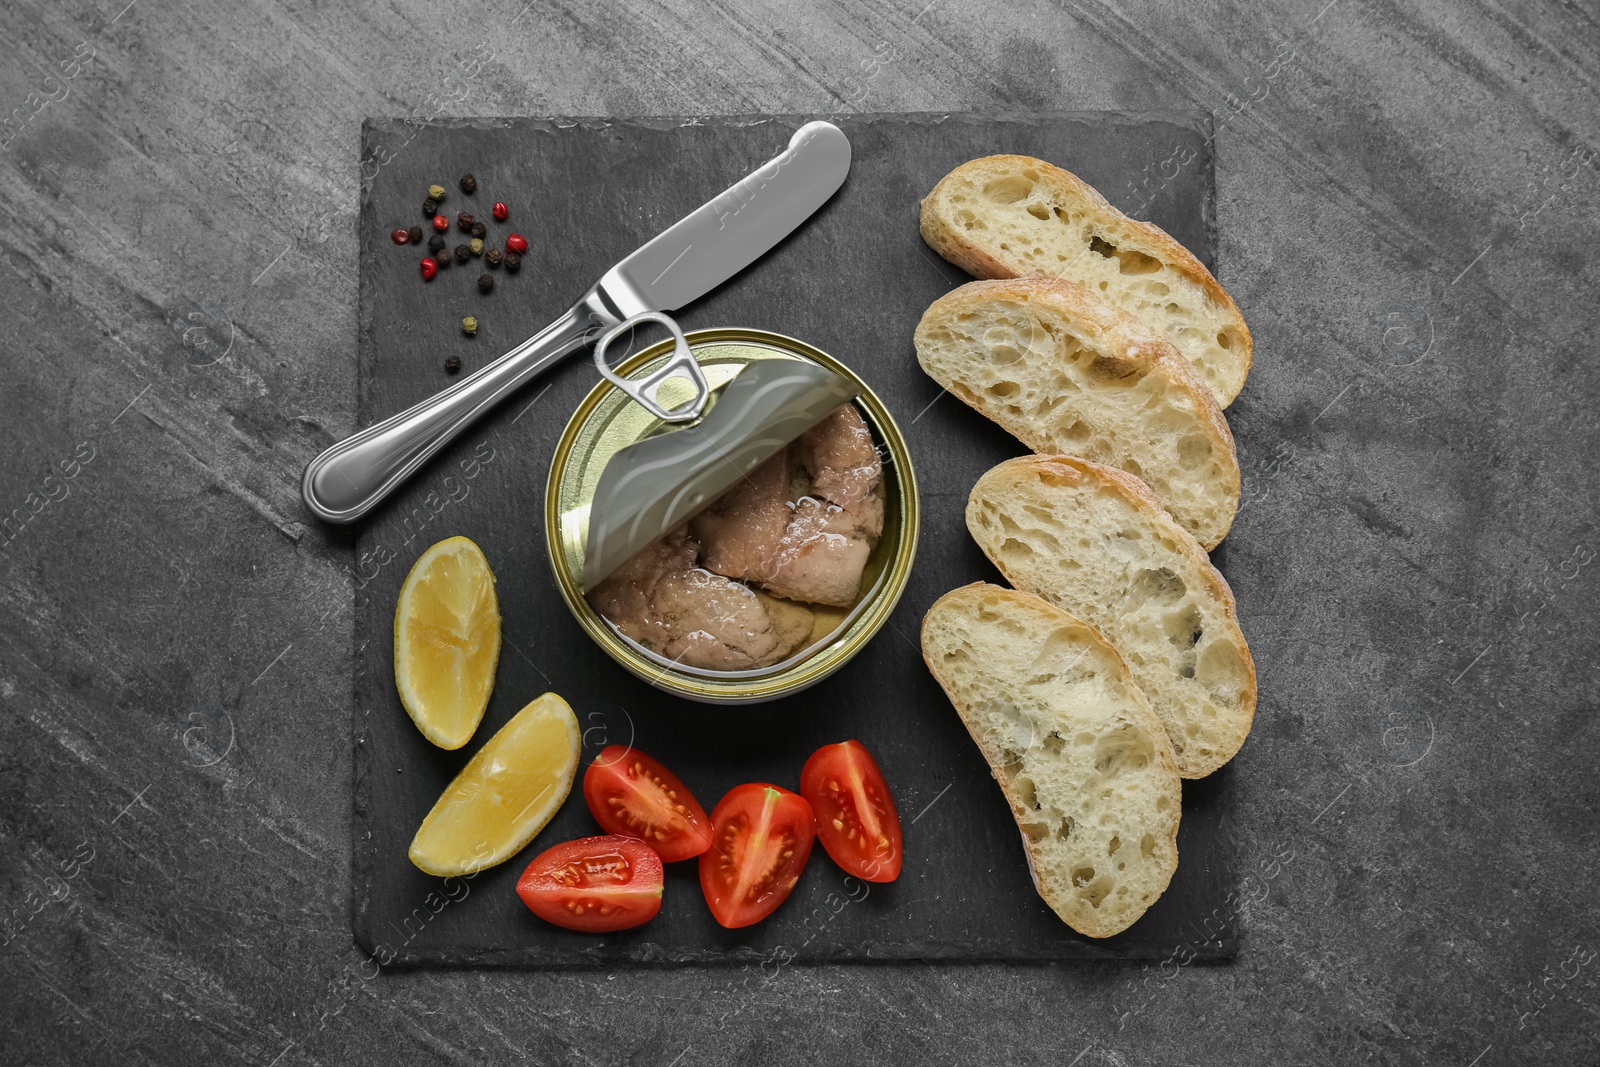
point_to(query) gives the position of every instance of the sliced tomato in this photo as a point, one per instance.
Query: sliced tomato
(633, 795)
(856, 818)
(594, 884)
(761, 838)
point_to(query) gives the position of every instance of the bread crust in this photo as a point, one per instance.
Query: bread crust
(1121, 338)
(944, 236)
(1049, 615)
(1139, 497)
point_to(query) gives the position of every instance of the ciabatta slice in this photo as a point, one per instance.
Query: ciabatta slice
(1066, 373)
(1086, 767)
(1007, 216)
(1096, 543)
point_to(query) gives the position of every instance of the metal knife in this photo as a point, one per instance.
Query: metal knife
(684, 262)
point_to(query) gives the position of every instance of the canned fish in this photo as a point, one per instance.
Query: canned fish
(608, 421)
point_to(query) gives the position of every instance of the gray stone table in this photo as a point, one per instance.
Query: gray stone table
(1408, 211)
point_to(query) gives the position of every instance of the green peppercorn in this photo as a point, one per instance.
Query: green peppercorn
(463, 253)
(479, 230)
(452, 364)
(469, 184)
(436, 192)
(469, 326)
(476, 245)
(485, 283)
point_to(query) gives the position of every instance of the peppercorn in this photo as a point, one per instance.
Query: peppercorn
(436, 192)
(485, 283)
(477, 246)
(429, 269)
(513, 262)
(430, 207)
(452, 364)
(469, 326)
(479, 230)
(501, 211)
(442, 258)
(414, 235)
(516, 243)
(436, 243)
(463, 253)
(492, 257)
(441, 223)
(465, 221)
(469, 184)
(399, 236)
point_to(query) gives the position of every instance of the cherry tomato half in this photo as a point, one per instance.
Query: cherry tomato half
(632, 795)
(856, 818)
(594, 884)
(761, 836)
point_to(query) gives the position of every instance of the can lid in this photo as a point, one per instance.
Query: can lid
(648, 488)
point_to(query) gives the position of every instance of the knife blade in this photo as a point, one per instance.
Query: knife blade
(682, 263)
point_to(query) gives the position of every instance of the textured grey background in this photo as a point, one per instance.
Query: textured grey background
(1407, 210)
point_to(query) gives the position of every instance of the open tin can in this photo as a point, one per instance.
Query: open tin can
(608, 420)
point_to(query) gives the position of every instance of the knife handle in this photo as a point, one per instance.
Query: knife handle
(351, 478)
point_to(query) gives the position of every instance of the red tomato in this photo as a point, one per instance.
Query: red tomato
(632, 795)
(594, 884)
(856, 817)
(761, 838)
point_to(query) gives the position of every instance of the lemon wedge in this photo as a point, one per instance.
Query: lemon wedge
(505, 795)
(447, 641)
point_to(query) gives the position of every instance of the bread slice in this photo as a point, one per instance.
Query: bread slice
(1067, 373)
(1094, 542)
(1086, 767)
(1006, 216)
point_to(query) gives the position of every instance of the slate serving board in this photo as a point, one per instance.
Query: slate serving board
(853, 282)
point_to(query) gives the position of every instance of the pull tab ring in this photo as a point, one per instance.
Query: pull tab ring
(681, 364)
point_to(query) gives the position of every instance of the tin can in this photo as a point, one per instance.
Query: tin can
(607, 421)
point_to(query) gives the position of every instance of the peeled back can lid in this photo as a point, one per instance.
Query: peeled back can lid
(648, 488)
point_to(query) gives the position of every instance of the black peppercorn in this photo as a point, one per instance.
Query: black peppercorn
(436, 243)
(465, 221)
(430, 207)
(492, 257)
(469, 184)
(485, 283)
(479, 230)
(452, 364)
(414, 235)
(463, 253)
(513, 262)
(442, 258)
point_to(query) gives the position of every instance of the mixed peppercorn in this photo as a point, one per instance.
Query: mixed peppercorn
(441, 255)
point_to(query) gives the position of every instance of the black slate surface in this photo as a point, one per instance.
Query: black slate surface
(853, 282)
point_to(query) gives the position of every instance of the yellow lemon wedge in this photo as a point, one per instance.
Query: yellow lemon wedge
(447, 641)
(505, 795)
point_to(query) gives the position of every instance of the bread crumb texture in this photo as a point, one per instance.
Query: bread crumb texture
(1095, 543)
(1087, 769)
(1066, 373)
(1007, 216)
